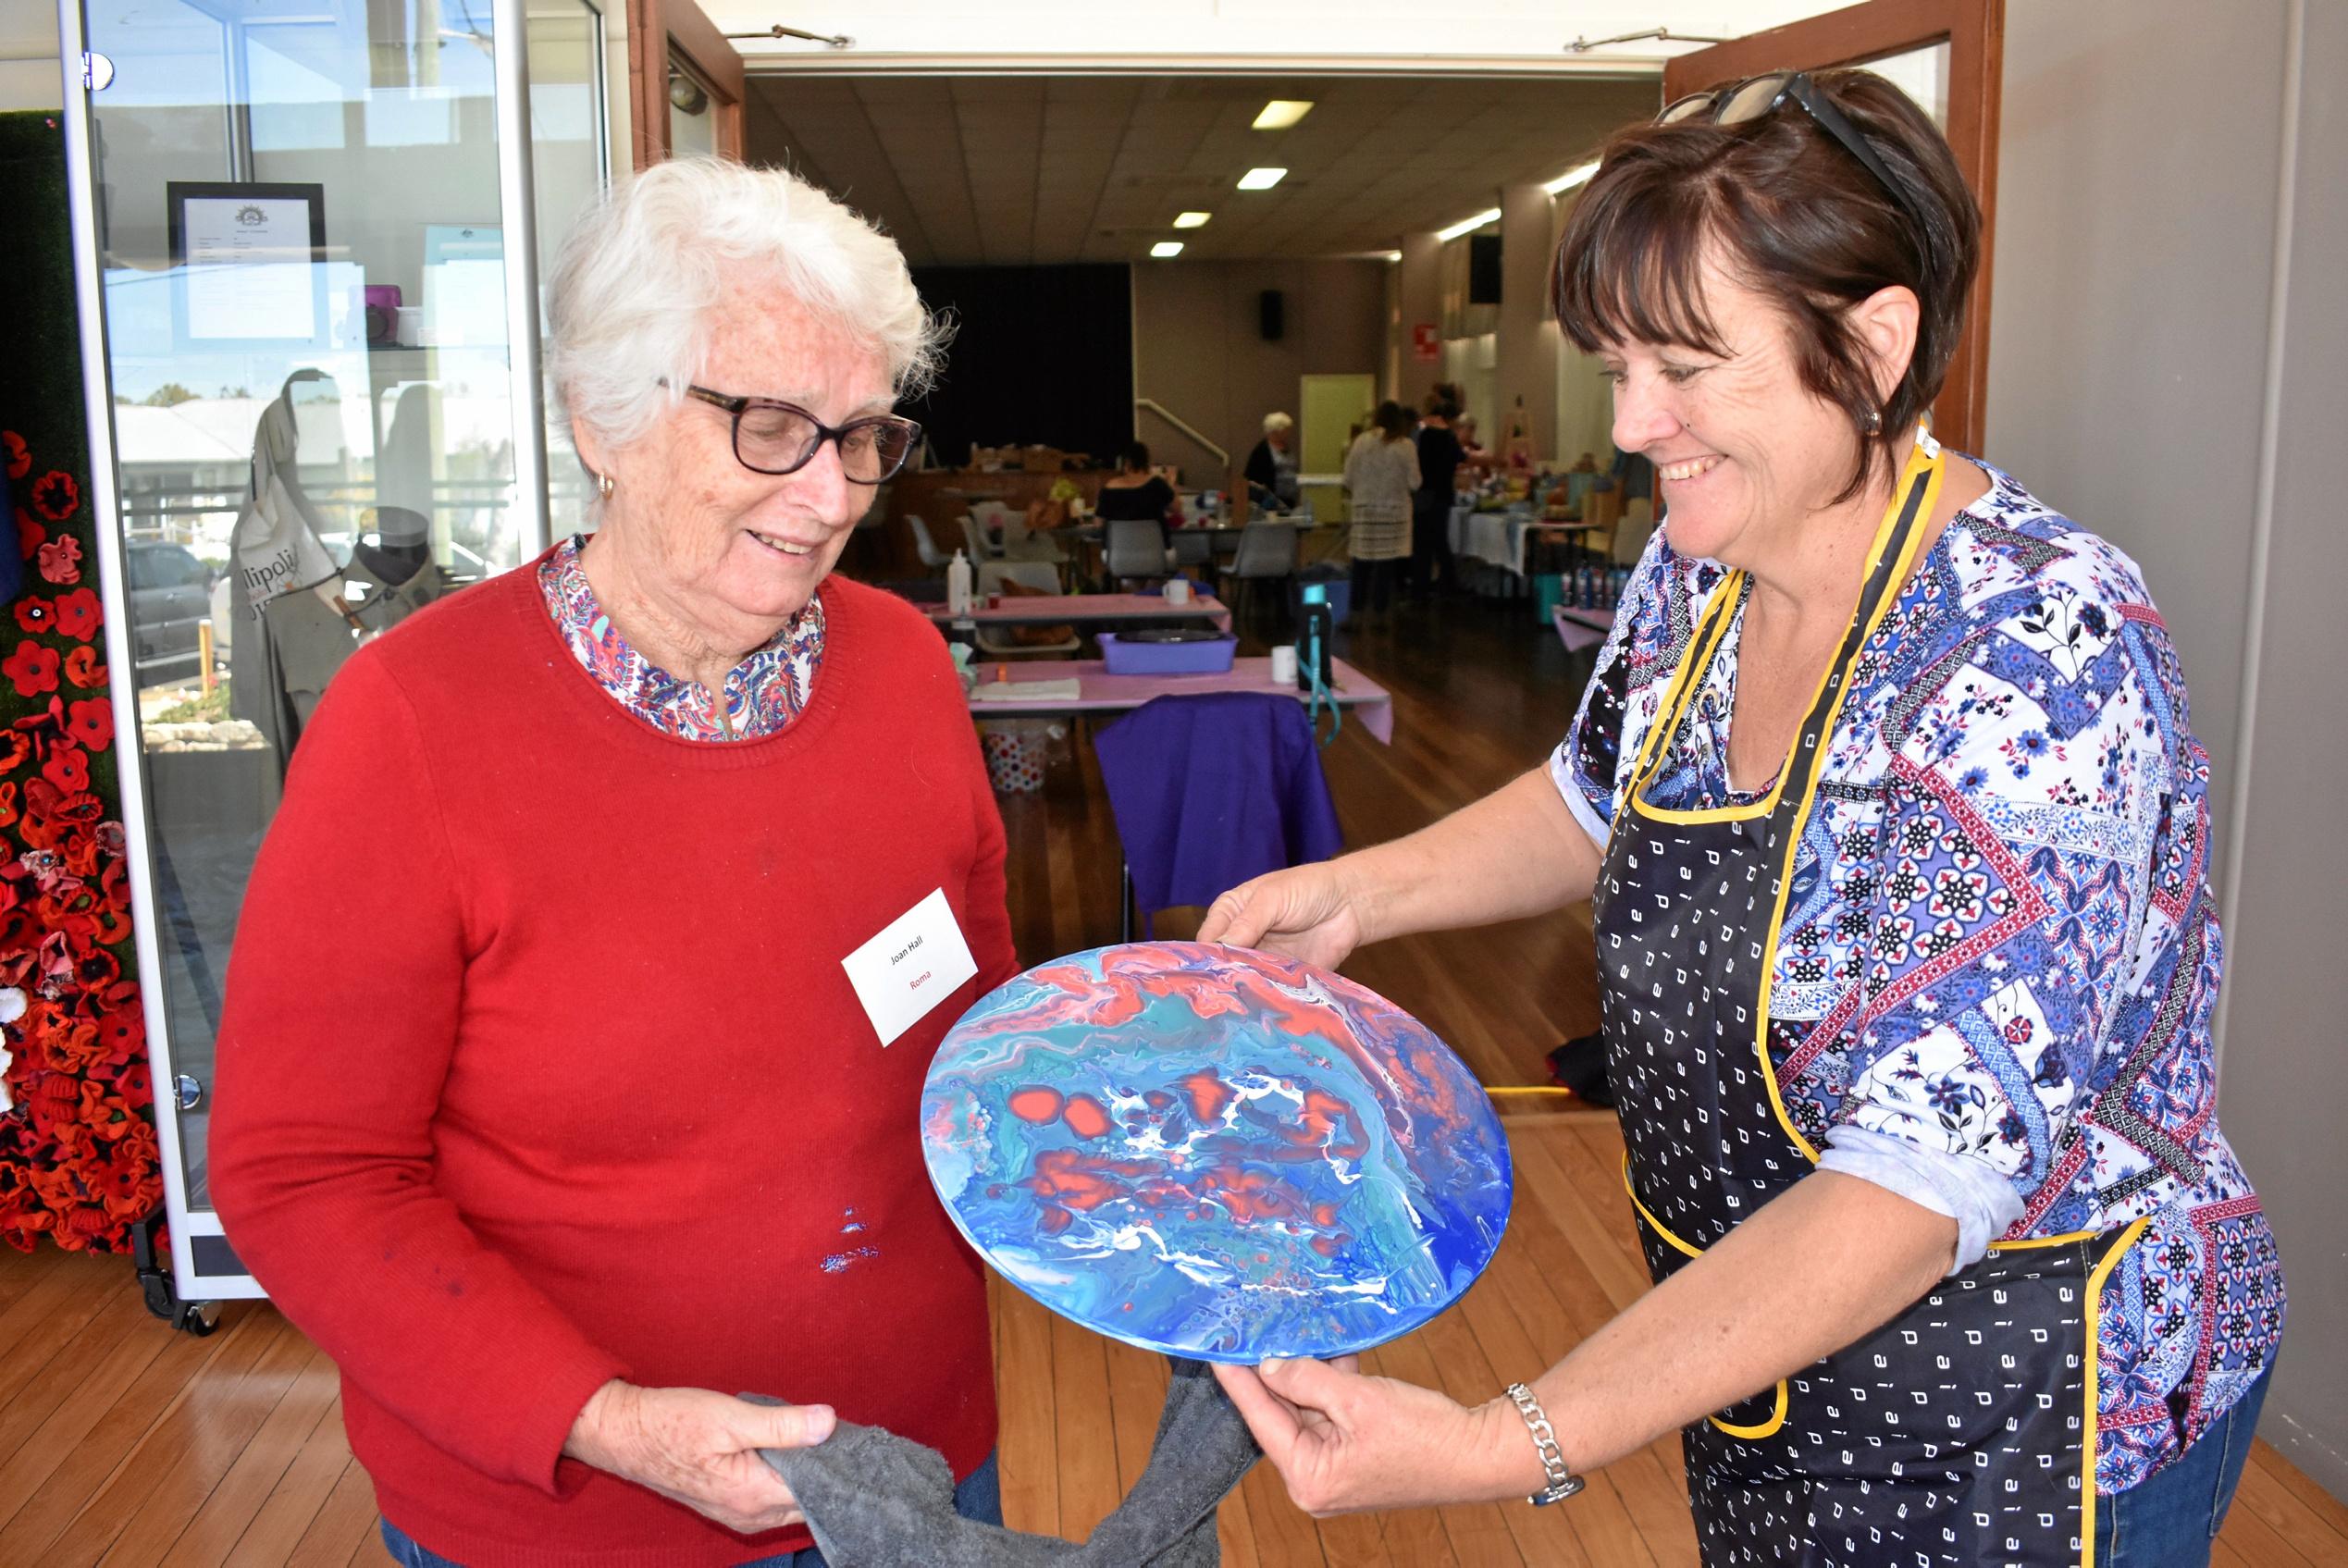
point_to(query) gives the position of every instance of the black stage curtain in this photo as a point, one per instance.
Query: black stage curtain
(1041, 355)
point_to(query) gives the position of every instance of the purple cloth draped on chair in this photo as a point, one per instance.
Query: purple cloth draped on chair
(1209, 791)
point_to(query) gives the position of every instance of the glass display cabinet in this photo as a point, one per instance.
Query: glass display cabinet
(307, 240)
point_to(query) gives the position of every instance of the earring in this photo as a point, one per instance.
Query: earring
(604, 487)
(1874, 427)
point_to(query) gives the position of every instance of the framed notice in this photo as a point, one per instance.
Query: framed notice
(250, 260)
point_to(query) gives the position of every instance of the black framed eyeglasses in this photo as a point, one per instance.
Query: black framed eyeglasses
(1751, 99)
(774, 437)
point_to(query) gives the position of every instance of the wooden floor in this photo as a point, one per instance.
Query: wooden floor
(122, 1442)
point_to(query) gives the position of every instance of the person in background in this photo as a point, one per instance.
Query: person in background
(1440, 455)
(1898, 836)
(1133, 493)
(546, 1104)
(1634, 474)
(1382, 470)
(1271, 467)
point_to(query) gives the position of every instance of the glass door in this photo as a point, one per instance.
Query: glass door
(307, 241)
(1949, 55)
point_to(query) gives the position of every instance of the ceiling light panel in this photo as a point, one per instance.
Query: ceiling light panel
(1167, 248)
(1262, 179)
(1192, 220)
(1469, 225)
(1281, 113)
(1579, 175)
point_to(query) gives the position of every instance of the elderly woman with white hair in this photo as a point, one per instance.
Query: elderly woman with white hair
(569, 1078)
(1271, 467)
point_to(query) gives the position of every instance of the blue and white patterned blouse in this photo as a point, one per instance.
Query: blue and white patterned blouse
(762, 694)
(2000, 948)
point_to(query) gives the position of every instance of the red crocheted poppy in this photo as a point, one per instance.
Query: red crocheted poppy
(67, 768)
(80, 615)
(81, 667)
(61, 560)
(32, 668)
(92, 722)
(56, 496)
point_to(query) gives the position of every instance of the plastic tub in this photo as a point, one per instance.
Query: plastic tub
(1209, 658)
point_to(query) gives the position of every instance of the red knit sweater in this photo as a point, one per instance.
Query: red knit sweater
(540, 1067)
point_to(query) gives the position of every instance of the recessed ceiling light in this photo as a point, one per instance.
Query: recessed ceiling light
(1469, 225)
(1191, 220)
(1281, 113)
(1165, 248)
(1579, 174)
(1391, 257)
(1262, 179)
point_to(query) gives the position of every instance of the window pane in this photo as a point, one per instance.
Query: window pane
(1923, 74)
(282, 197)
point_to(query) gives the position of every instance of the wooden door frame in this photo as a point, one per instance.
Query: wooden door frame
(1975, 32)
(658, 29)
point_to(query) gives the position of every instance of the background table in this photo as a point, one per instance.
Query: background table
(1100, 692)
(1110, 610)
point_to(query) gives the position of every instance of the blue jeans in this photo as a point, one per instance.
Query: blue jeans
(980, 1497)
(2169, 1520)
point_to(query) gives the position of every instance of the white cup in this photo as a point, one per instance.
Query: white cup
(411, 326)
(1178, 591)
(1284, 665)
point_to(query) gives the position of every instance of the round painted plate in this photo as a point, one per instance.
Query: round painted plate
(1216, 1152)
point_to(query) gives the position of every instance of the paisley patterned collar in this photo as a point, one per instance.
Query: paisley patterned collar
(762, 694)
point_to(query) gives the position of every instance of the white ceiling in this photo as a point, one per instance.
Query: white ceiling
(1009, 170)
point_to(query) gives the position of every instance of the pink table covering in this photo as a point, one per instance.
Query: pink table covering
(1361, 698)
(1089, 609)
(1582, 628)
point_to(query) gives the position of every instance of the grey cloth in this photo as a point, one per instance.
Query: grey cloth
(875, 1499)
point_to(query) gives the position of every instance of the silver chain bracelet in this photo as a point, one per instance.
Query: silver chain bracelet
(1563, 1482)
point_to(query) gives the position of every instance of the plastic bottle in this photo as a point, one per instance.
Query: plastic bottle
(957, 585)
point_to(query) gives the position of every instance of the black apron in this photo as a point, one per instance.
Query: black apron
(1961, 1432)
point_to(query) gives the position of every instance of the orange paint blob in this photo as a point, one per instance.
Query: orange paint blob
(1208, 1096)
(1084, 1116)
(1038, 1105)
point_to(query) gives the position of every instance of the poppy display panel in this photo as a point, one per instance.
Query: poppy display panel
(1216, 1152)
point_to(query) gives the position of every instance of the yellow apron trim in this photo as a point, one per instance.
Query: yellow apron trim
(1935, 467)
(1777, 1416)
(1700, 650)
(2027, 1243)
(2094, 1368)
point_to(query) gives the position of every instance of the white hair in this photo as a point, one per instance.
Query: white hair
(635, 280)
(1275, 423)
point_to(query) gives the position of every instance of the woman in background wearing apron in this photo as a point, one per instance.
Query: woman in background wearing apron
(1897, 833)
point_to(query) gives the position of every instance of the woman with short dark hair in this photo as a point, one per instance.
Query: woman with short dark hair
(1899, 838)
(1133, 493)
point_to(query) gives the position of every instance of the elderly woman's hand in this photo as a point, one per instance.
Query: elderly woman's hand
(1344, 1442)
(1308, 912)
(699, 1447)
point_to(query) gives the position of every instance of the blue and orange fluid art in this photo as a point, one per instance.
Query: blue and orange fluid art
(1216, 1152)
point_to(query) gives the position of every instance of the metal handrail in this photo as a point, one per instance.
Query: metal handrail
(1185, 426)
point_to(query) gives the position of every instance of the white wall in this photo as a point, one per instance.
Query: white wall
(1404, 30)
(2143, 227)
(29, 77)
(1198, 348)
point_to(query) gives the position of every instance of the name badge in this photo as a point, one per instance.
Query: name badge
(917, 960)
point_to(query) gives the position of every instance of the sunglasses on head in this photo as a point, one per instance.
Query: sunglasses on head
(1740, 102)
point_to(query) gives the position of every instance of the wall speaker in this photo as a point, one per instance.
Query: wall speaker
(1483, 269)
(1271, 314)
